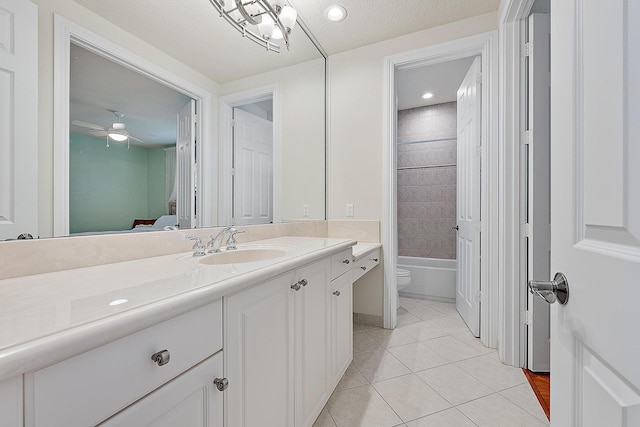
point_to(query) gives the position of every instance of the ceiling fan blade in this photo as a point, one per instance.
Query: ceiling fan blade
(97, 132)
(87, 125)
(136, 139)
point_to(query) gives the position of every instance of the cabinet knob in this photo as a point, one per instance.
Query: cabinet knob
(161, 358)
(296, 286)
(337, 293)
(303, 282)
(221, 383)
(363, 267)
(346, 261)
(375, 259)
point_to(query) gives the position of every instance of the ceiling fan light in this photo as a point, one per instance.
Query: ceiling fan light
(117, 136)
(288, 17)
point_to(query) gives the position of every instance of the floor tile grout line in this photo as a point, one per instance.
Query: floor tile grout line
(520, 406)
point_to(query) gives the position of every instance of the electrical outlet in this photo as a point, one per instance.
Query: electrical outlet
(305, 210)
(349, 209)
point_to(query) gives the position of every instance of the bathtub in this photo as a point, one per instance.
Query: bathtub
(431, 278)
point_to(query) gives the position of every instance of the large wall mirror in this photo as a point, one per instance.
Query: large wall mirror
(255, 154)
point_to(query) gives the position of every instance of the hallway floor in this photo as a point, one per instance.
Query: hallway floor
(429, 372)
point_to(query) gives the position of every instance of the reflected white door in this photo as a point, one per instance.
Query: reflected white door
(253, 169)
(595, 212)
(537, 149)
(186, 168)
(18, 118)
(468, 195)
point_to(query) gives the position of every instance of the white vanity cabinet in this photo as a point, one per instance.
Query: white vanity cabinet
(285, 341)
(89, 388)
(11, 402)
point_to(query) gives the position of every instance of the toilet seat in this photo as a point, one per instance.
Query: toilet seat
(400, 272)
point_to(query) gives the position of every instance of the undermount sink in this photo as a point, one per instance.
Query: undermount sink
(242, 256)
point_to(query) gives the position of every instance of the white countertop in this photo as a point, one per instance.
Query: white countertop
(49, 317)
(362, 249)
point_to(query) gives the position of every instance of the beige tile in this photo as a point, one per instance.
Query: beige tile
(360, 327)
(496, 411)
(405, 317)
(408, 303)
(447, 418)
(361, 407)
(451, 349)
(362, 341)
(422, 331)
(452, 324)
(351, 378)
(391, 337)
(454, 384)
(410, 397)
(470, 340)
(444, 307)
(426, 312)
(417, 357)
(524, 397)
(364, 231)
(491, 372)
(379, 365)
(324, 420)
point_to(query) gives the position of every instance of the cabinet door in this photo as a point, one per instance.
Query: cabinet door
(311, 337)
(190, 400)
(258, 351)
(11, 402)
(341, 335)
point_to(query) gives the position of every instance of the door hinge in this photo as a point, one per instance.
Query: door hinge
(233, 171)
(526, 229)
(527, 137)
(233, 123)
(479, 151)
(526, 49)
(195, 118)
(527, 317)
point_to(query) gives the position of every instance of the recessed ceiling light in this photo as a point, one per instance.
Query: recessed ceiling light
(427, 95)
(336, 13)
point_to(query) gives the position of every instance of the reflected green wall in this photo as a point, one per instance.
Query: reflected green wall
(110, 187)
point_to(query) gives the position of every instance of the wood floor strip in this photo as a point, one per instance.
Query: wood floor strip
(540, 383)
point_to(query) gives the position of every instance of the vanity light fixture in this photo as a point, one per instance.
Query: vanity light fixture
(335, 13)
(427, 95)
(259, 20)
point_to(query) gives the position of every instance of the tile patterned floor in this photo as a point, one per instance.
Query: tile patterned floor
(428, 372)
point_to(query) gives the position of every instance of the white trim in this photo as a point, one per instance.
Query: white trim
(484, 45)
(513, 298)
(65, 32)
(226, 105)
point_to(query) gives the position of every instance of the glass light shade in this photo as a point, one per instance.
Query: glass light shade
(277, 34)
(118, 136)
(266, 27)
(288, 17)
(277, 4)
(252, 9)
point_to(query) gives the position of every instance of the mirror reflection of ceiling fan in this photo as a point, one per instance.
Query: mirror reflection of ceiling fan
(116, 132)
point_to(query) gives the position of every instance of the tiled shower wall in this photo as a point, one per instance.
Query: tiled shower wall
(426, 194)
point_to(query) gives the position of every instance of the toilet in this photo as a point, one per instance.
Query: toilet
(403, 279)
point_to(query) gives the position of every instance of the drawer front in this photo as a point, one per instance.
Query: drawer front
(92, 386)
(365, 264)
(341, 263)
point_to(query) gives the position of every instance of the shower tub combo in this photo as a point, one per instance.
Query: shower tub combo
(431, 278)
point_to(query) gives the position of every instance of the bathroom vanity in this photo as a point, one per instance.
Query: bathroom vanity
(180, 340)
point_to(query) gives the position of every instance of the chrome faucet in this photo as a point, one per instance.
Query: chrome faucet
(216, 241)
(198, 246)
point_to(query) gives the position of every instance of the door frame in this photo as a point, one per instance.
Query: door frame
(226, 105)
(67, 32)
(484, 45)
(512, 274)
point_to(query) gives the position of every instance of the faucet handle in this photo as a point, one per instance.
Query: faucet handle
(198, 245)
(231, 243)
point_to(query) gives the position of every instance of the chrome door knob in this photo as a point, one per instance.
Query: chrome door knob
(455, 228)
(556, 289)
(221, 383)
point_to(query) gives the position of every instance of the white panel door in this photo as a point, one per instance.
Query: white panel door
(186, 168)
(468, 195)
(595, 212)
(18, 118)
(538, 210)
(253, 169)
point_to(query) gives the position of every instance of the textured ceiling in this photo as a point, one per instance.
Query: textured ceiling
(192, 31)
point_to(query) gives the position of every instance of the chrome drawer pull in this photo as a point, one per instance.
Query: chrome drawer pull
(337, 293)
(221, 383)
(363, 267)
(161, 358)
(303, 282)
(375, 259)
(346, 261)
(296, 286)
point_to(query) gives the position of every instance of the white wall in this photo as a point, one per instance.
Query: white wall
(356, 118)
(302, 105)
(89, 20)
